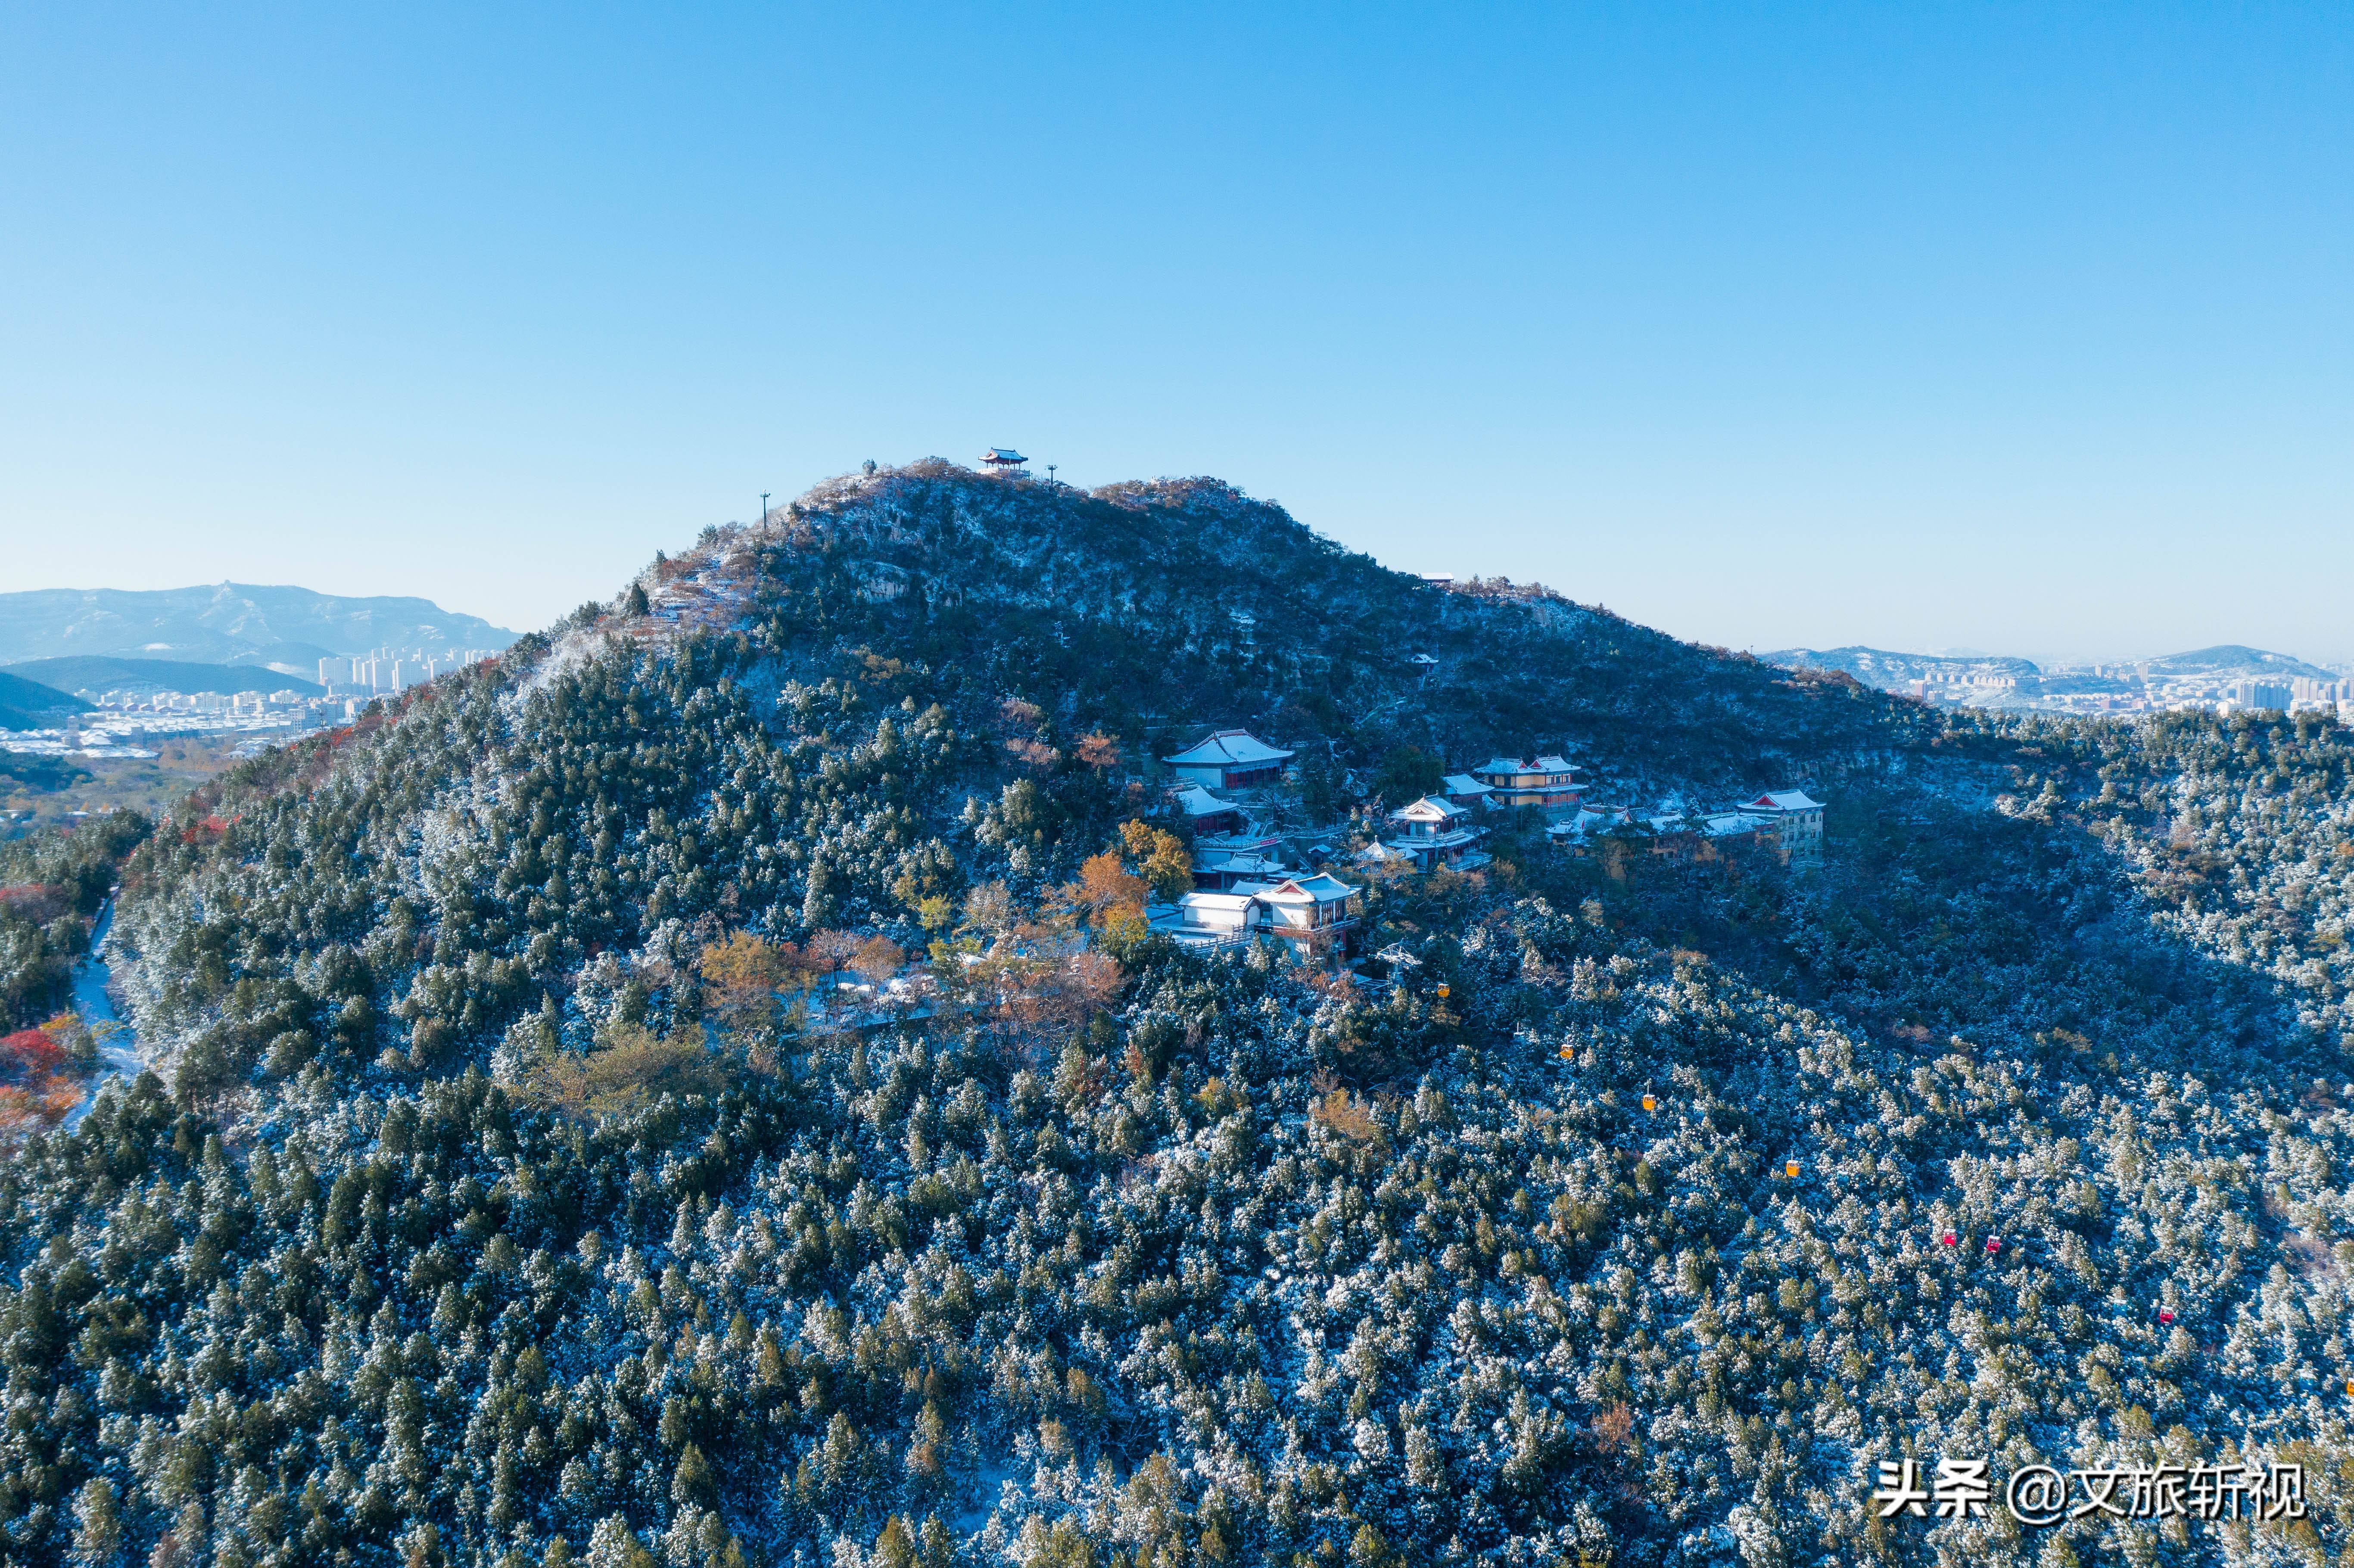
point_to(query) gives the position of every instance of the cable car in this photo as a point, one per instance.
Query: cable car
(1790, 1169)
(1650, 1104)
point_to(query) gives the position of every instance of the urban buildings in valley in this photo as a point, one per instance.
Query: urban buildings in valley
(384, 671)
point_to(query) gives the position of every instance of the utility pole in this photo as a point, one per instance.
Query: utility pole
(1050, 473)
(764, 504)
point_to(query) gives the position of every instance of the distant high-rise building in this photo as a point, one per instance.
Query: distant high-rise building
(2262, 694)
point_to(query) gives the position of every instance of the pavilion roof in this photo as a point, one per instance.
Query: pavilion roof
(1196, 801)
(1545, 764)
(1228, 746)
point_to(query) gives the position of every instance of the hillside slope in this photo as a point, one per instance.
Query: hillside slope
(497, 1211)
(27, 703)
(1181, 604)
(2231, 661)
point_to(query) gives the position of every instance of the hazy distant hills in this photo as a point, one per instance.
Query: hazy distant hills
(2232, 661)
(226, 623)
(28, 705)
(1890, 670)
(89, 672)
(1879, 667)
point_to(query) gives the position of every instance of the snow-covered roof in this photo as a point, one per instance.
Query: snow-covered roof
(1196, 801)
(1463, 784)
(1545, 764)
(1228, 746)
(1232, 902)
(1725, 823)
(1240, 863)
(1002, 454)
(1236, 842)
(1787, 801)
(1324, 887)
(1429, 808)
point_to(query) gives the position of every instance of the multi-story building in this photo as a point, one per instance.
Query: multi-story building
(1432, 833)
(1797, 817)
(1547, 782)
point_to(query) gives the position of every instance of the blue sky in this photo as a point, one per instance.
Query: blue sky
(2020, 328)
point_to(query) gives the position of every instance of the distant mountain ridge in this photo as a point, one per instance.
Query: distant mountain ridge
(29, 705)
(1890, 670)
(92, 673)
(226, 623)
(1879, 667)
(2236, 662)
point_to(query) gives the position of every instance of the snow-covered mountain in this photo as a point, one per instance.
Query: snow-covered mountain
(705, 1089)
(226, 623)
(2232, 661)
(1895, 671)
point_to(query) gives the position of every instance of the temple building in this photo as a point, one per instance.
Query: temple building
(1433, 832)
(1230, 759)
(1547, 781)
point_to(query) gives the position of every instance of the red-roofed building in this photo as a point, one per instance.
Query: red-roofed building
(1799, 817)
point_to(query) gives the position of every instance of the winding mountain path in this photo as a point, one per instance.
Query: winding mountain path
(120, 1057)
